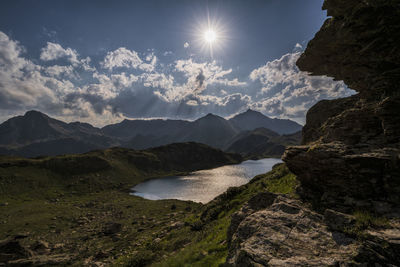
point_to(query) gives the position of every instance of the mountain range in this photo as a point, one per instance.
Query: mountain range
(36, 134)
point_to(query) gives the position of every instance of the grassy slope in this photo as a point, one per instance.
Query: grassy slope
(68, 200)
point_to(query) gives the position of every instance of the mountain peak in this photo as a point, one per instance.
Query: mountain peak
(251, 119)
(251, 111)
(34, 114)
(210, 116)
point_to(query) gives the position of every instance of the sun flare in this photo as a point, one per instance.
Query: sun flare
(210, 36)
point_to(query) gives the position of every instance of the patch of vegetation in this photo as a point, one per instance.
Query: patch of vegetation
(365, 220)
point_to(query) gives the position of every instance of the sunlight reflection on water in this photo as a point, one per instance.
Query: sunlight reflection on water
(203, 186)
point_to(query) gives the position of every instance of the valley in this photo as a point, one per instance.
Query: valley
(75, 209)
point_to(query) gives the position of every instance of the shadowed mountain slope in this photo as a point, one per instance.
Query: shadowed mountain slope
(36, 134)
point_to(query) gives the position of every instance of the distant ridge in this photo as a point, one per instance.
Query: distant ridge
(251, 120)
(37, 134)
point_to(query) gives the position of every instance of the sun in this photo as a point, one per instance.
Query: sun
(210, 36)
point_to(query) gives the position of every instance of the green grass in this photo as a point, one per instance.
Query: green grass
(365, 220)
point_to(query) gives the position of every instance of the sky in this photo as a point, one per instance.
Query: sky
(103, 61)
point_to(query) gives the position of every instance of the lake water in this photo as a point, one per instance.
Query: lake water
(203, 186)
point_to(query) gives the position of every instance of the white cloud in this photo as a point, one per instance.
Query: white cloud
(192, 103)
(20, 81)
(58, 71)
(213, 73)
(121, 57)
(186, 45)
(157, 80)
(288, 92)
(151, 63)
(55, 51)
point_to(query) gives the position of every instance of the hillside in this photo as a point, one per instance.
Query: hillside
(210, 129)
(126, 166)
(262, 143)
(76, 209)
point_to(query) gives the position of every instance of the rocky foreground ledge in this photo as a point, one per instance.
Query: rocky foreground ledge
(274, 230)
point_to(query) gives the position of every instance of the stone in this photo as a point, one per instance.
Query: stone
(41, 247)
(176, 225)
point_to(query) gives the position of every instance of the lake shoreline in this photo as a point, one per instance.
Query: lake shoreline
(203, 185)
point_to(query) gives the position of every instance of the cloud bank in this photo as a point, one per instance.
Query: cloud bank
(128, 83)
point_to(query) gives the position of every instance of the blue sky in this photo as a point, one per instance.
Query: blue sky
(103, 61)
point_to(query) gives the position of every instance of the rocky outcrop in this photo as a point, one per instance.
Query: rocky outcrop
(274, 230)
(350, 157)
(359, 44)
(349, 160)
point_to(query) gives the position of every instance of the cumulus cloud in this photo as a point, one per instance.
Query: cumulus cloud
(55, 51)
(25, 85)
(20, 81)
(58, 71)
(121, 57)
(205, 73)
(288, 92)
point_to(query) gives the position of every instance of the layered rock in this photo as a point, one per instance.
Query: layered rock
(350, 157)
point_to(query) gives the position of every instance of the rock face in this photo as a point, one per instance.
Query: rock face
(349, 159)
(274, 230)
(284, 234)
(350, 155)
